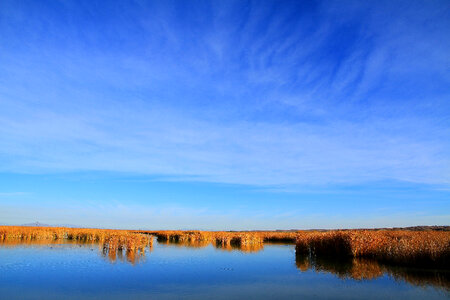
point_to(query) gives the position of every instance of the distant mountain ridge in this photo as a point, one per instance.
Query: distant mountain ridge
(36, 224)
(39, 224)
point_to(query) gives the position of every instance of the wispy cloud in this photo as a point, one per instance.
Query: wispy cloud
(264, 93)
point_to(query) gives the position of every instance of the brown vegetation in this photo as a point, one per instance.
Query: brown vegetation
(224, 239)
(428, 248)
(109, 239)
(425, 248)
(244, 241)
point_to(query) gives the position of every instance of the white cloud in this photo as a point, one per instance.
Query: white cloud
(253, 104)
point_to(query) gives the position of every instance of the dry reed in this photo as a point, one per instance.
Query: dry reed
(245, 241)
(108, 238)
(424, 248)
(415, 248)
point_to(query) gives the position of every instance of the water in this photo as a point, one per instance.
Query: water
(167, 271)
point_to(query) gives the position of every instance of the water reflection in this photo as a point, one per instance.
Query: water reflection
(189, 244)
(356, 268)
(123, 255)
(219, 246)
(367, 269)
(243, 248)
(113, 255)
(43, 242)
(351, 268)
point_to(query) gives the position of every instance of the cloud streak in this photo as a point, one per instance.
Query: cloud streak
(271, 93)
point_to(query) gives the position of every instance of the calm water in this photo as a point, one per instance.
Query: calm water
(168, 271)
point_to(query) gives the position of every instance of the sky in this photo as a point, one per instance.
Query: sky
(225, 115)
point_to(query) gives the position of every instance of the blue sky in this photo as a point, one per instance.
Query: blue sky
(225, 114)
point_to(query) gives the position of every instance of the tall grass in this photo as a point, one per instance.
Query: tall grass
(245, 241)
(108, 238)
(415, 248)
(225, 238)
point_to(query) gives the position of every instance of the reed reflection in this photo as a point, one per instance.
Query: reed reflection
(132, 256)
(112, 252)
(368, 269)
(188, 244)
(232, 245)
(239, 247)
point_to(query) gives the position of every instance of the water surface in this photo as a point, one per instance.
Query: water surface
(170, 271)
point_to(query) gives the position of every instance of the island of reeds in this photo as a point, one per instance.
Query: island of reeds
(111, 242)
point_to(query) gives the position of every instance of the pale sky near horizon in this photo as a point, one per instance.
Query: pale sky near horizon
(225, 114)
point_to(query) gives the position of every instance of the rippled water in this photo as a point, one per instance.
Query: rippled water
(173, 271)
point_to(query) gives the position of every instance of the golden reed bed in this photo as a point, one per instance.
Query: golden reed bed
(415, 248)
(224, 237)
(405, 247)
(248, 241)
(109, 239)
(402, 247)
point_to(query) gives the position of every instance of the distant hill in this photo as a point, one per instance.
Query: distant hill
(36, 224)
(39, 224)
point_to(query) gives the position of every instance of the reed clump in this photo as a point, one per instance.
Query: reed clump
(177, 236)
(248, 248)
(417, 248)
(424, 248)
(238, 239)
(108, 238)
(278, 236)
(227, 240)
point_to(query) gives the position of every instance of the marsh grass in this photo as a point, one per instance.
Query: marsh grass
(430, 249)
(244, 241)
(249, 241)
(400, 247)
(424, 248)
(109, 240)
